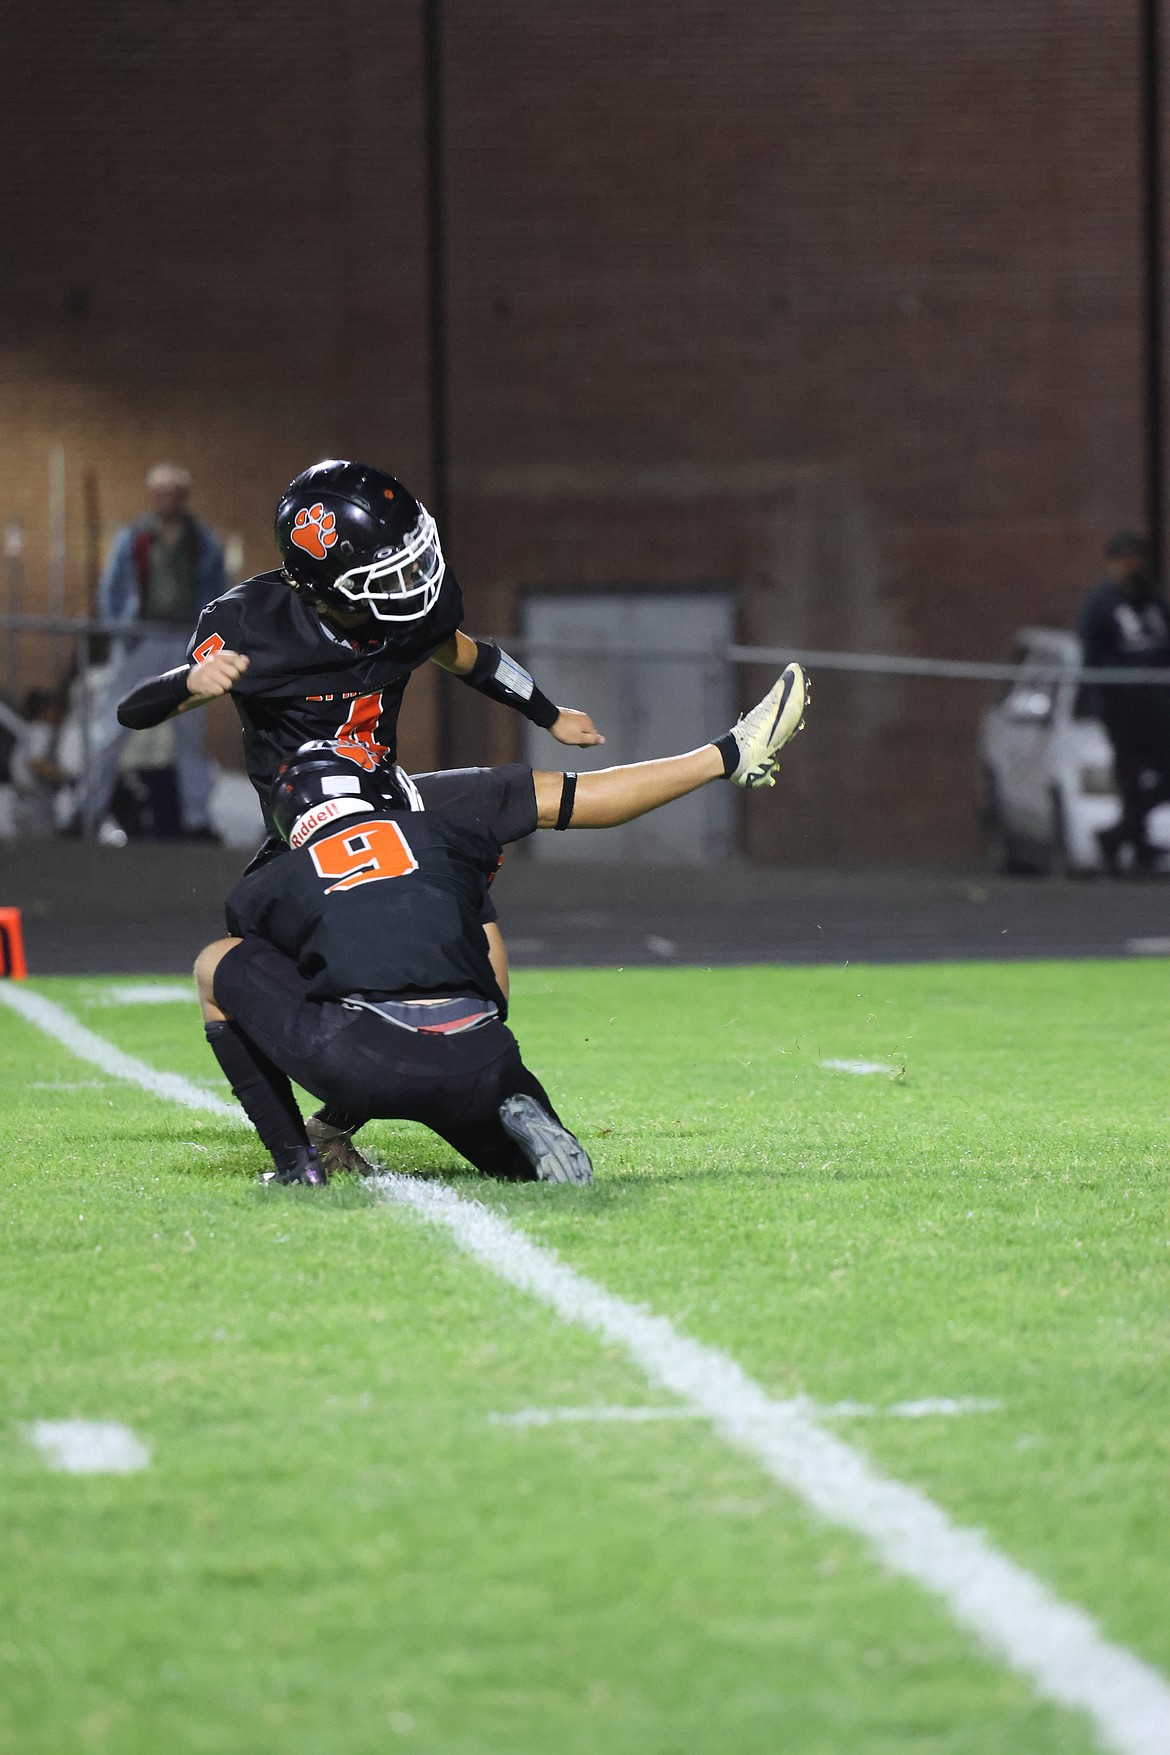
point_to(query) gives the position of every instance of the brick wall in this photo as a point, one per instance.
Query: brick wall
(219, 257)
(840, 303)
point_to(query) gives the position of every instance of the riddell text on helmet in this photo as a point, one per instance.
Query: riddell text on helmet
(320, 814)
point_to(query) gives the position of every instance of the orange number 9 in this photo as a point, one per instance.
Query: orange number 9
(363, 856)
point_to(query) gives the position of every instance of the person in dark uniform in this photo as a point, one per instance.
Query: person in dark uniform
(324, 645)
(1124, 622)
(357, 964)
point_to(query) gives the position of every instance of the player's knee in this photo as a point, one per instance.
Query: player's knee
(206, 963)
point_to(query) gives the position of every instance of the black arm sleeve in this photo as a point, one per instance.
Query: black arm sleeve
(501, 679)
(155, 699)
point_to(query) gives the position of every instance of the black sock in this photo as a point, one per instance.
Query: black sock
(729, 750)
(262, 1091)
(339, 1118)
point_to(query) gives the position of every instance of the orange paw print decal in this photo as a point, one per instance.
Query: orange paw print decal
(314, 530)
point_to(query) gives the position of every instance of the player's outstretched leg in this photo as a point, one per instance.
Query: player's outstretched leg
(554, 1153)
(761, 734)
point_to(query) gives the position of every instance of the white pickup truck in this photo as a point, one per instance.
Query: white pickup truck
(1046, 768)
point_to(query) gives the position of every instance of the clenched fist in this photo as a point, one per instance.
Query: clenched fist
(216, 675)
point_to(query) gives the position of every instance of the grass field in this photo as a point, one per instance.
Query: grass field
(335, 1550)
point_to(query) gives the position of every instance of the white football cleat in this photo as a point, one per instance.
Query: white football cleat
(761, 734)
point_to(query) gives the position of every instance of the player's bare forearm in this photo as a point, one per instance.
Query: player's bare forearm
(458, 654)
(484, 667)
(617, 795)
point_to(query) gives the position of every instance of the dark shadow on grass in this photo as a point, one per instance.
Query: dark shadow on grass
(210, 1164)
(238, 1161)
(344, 1194)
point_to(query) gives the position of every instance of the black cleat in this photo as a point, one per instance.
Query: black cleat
(551, 1149)
(336, 1150)
(306, 1168)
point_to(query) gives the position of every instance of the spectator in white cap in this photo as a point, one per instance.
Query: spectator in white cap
(163, 570)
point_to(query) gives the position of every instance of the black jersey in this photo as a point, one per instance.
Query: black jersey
(393, 904)
(306, 680)
(1119, 629)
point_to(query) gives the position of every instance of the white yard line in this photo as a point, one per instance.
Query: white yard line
(149, 993)
(921, 1410)
(573, 1416)
(1055, 1645)
(55, 1021)
(67, 1085)
(87, 1447)
(863, 1068)
(942, 1406)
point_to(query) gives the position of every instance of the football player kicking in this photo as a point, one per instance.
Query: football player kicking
(358, 965)
(324, 646)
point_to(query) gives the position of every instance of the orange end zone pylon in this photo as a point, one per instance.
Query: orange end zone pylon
(12, 961)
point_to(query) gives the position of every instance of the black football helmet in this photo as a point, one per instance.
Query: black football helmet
(330, 779)
(357, 539)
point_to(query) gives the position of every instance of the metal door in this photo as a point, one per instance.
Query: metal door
(646, 706)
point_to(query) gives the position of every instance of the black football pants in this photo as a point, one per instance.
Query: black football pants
(1143, 781)
(356, 1061)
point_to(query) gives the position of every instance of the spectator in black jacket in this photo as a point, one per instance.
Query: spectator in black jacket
(1124, 622)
